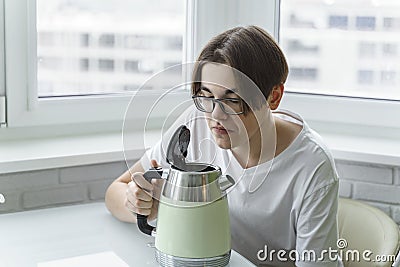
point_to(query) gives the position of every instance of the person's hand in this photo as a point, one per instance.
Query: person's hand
(141, 196)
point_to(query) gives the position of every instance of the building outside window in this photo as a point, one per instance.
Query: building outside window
(141, 31)
(357, 43)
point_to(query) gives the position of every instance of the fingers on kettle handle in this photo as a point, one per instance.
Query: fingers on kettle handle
(140, 181)
(143, 226)
(153, 174)
(154, 163)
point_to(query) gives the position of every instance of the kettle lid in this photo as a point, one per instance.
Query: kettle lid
(177, 148)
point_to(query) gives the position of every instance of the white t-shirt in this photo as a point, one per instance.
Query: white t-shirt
(290, 212)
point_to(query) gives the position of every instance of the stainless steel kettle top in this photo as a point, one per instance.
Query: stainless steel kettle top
(193, 186)
(190, 182)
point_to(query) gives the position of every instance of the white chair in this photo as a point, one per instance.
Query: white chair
(367, 228)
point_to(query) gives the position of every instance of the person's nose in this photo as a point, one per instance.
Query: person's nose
(218, 113)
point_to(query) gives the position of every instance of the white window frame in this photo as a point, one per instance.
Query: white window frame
(205, 18)
(346, 115)
(2, 69)
(24, 109)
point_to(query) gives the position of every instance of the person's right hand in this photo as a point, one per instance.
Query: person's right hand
(142, 196)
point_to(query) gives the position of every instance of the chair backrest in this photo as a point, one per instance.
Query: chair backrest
(366, 228)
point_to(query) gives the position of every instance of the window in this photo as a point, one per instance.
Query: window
(71, 54)
(347, 59)
(131, 66)
(107, 40)
(367, 49)
(354, 79)
(298, 46)
(132, 42)
(340, 22)
(296, 20)
(391, 23)
(389, 49)
(82, 71)
(110, 30)
(304, 74)
(85, 39)
(106, 65)
(388, 77)
(366, 77)
(365, 23)
(84, 64)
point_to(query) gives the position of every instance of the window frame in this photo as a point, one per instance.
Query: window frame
(2, 70)
(344, 114)
(24, 109)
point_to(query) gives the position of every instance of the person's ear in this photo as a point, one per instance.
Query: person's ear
(275, 96)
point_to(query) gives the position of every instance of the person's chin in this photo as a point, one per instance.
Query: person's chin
(224, 145)
(223, 141)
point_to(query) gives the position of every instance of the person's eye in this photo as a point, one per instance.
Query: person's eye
(206, 94)
(234, 100)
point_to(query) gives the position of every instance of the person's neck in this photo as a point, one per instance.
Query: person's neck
(247, 156)
(258, 150)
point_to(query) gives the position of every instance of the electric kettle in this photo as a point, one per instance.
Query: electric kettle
(193, 219)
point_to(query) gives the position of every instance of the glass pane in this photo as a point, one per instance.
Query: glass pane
(342, 47)
(89, 47)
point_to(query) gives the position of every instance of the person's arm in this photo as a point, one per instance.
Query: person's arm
(125, 197)
(317, 230)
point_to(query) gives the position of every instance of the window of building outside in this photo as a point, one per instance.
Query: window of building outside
(131, 66)
(340, 22)
(106, 46)
(342, 47)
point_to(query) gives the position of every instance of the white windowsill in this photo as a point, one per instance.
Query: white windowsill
(38, 154)
(364, 149)
(28, 155)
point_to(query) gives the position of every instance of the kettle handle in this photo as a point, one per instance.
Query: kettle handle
(226, 182)
(152, 173)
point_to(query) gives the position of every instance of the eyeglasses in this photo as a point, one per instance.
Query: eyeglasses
(231, 106)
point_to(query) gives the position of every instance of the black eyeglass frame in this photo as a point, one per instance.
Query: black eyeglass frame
(220, 103)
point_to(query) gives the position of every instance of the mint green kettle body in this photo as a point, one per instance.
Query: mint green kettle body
(193, 218)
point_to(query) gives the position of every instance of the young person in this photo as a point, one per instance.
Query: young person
(286, 191)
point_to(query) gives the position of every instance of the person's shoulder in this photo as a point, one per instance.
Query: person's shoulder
(317, 147)
(317, 158)
(322, 165)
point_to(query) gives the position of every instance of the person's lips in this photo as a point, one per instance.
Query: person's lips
(220, 130)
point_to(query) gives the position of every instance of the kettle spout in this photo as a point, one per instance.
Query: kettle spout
(226, 182)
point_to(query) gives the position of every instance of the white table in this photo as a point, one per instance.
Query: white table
(32, 237)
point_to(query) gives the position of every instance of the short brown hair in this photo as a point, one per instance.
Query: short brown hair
(250, 50)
